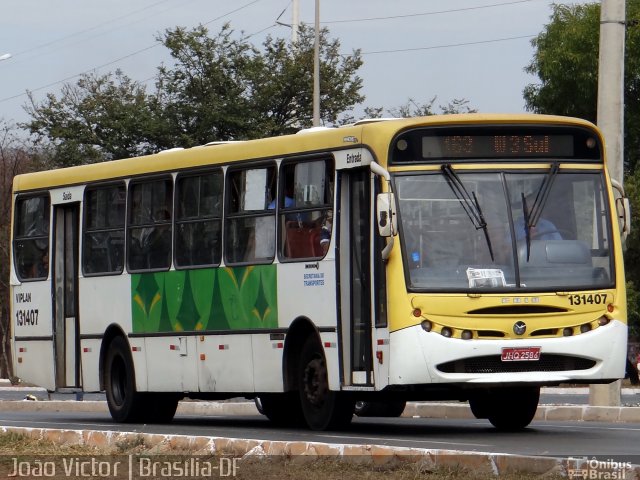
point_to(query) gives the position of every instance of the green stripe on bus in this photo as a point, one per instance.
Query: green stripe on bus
(205, 299)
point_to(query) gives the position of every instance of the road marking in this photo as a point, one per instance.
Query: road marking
(406, 440)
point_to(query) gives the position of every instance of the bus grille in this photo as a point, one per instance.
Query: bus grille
(494, 364)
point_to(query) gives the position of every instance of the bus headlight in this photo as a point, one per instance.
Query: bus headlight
(446, 332)
(466, 335)
(602, 321)
(567, 331)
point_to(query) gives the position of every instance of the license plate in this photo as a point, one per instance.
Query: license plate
(521, 354)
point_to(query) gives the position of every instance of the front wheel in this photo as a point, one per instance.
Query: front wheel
(125, 404)
(508, 409)
(322, 408)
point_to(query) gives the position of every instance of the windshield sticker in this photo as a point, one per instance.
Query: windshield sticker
(485, 277)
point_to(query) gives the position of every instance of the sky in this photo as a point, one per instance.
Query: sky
(412, 49)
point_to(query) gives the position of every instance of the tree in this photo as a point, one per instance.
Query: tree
(219, 88)
(223, 88)
(99, 118)
(566, 63)
(14, 159)
(412, 108)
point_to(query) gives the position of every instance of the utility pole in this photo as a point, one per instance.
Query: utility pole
(611, 122)
(295, 20)
(316, 70)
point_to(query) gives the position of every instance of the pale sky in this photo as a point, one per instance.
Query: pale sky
(473, 49)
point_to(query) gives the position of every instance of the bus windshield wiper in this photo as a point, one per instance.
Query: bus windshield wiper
(531, 216)
(542, 195)
(469, 203)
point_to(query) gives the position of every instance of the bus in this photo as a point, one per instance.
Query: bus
(467, 257)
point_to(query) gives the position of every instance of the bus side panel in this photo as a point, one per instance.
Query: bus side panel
(99, 309)
(228, 364)
(32, 318)
(90, 352)
(267, 362)
(171, 364)
(308, 290)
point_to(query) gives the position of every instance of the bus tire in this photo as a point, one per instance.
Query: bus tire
(380, 409)
(323, 409)
(125, 404)
(159, 407)
(513, 409)
(283, 409)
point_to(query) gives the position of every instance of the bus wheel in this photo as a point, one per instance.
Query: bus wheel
(512, 409)
(160, 407)
(380, 409)
(124, 402)
(281, 408)
(322, 408)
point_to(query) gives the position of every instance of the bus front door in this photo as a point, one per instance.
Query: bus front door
(65, 296)
(355, 276)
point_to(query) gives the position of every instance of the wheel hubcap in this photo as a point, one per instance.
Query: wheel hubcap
(315, 382)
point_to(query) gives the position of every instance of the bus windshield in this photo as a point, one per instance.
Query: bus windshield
(540, 230)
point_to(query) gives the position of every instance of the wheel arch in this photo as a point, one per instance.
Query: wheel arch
(301, 329)
(110, 333)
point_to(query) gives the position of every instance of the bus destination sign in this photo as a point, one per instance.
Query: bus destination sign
(500, 143)
(496, 146)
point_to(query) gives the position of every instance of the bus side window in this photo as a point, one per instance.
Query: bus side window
(104, 218)
(149, 225)
(31, 238)
(198, 233)
(306, 209)
(250, 223)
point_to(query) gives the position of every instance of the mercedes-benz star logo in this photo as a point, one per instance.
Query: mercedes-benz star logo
(519, 328)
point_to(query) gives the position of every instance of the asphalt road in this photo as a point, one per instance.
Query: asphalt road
(556, 439)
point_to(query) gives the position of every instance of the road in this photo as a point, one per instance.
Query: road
(545, 438)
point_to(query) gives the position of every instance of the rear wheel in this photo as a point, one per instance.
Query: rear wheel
(281, 408)
(322, 408)
(125, 404)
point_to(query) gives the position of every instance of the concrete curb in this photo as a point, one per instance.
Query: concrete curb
(491, 464)
(414, 410)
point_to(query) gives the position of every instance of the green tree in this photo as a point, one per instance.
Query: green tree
(15, 158)
(222, 88)
(566, 64)
(413, 108)
(99, 118)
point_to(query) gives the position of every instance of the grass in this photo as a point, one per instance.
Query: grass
(13, 445)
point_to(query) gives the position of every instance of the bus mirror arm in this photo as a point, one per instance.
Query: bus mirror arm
(623, 209)
(385, 211)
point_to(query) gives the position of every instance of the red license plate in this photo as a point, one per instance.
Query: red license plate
(521, 354)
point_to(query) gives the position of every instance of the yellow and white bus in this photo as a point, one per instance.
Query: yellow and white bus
(467, 257)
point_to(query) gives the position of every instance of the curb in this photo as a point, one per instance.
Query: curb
(491, 464)
(585, 413)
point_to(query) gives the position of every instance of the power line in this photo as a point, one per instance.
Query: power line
(450, 45)
(95, 27)
(12, 97)
(438, 12)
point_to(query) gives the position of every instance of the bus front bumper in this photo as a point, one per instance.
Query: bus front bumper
(419, 357)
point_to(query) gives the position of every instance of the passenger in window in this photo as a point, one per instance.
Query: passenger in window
(325, 233)
(543, 230)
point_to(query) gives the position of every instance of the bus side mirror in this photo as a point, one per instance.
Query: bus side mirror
(386, 215)
(623, 210)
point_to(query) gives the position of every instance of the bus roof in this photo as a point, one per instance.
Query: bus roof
(375, 133)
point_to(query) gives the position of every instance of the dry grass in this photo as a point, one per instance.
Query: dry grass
(14, 445)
